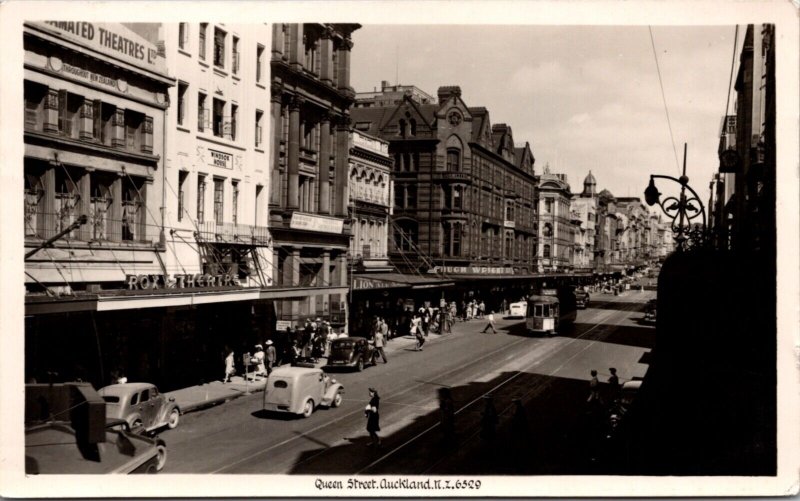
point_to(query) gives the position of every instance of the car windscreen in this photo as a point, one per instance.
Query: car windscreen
(111, 399)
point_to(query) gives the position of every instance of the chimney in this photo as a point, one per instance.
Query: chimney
(384, 84)
(445, 92)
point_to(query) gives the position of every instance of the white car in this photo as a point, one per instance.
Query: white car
(518, 310)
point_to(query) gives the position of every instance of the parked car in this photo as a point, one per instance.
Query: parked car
(581, 299)
(354, 352)
(140, 405)
(300, 390)
(650, 311)
(518, 310)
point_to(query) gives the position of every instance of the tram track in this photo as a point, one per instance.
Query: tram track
(260, 453)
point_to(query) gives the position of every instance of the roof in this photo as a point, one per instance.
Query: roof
(116, 389)
(284, 371)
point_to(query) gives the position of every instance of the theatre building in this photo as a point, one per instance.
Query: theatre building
(95, 101)
(464, 195)
(310, 134)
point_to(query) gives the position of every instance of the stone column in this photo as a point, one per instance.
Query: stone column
(326, 55)
(341, 165)
(324, 280)
(115, 211)
(87, 120)
(324, 162)
(277, 40)
(118, 128)
(343, 64)
(276, 272)
(276, 120)
(48, 203)
(51, 107)
(293, 156)
(296, 51)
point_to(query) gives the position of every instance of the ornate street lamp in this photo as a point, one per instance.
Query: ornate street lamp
(682, 210)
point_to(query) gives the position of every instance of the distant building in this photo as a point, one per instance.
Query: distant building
(556, 230)
(391, 95)
(584, 205)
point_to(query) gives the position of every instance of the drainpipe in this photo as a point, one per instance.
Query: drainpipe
(162, 238)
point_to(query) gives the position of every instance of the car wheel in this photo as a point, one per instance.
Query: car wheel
(360, 365)
(308, 408)
(337, 399)
(173, 419)
(161, 451)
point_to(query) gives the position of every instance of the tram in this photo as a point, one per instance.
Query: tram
(551, 310)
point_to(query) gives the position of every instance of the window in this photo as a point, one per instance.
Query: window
(217, 118)
(259, 118)
(457, 231)
(219, 48)
(100, 203)
(201, 53)
(451, 239)
(259, 62)
(34, 105)
(457, 198)
(231, 126)
(182, 175)
(259, 205)
(399, 196)
(405, 236)
(219, 195)
(235, 202)
(145, 396)
(132, 209)
(411, 196)
(202, 112)
(201, 199)
(182, 89)
(509, 211)
(133, 129)
(235, 55)
(546, 251)
(183, 35)
(548, 206)
(547, 231)
(509, 251)
(453, 160)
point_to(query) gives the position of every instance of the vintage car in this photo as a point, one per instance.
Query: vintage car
(650, 311)
(581, 298)
(355, 352)
(300, 390)
(66, 432)
(141, 406)
(518, 310)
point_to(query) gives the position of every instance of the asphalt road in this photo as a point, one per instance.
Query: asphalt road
(549, 375)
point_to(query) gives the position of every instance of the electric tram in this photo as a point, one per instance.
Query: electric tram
(551, 310)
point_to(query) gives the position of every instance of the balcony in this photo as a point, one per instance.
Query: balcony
(244, 234)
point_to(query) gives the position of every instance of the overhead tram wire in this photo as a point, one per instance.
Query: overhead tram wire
(664, 99)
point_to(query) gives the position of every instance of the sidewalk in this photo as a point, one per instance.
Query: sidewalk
(216, 392)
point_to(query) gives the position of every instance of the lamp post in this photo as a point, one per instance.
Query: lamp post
(682, 210)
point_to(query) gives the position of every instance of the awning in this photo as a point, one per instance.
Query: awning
(372, 281)
(163, 298)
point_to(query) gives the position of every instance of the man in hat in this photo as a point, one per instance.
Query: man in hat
(271, 357)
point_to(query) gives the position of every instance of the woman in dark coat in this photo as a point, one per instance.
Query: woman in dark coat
(371, 411)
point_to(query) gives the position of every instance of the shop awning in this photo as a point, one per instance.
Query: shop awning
(371, 281)
(162, 298)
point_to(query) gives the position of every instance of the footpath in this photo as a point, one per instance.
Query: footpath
(206, 395)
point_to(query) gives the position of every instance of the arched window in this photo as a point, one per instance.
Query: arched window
(546, 251)
(453, 160)
(509, 254)
(402, 127)
(405, 236)
(413, 124)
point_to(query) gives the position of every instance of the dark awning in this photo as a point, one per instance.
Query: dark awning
(371, 281)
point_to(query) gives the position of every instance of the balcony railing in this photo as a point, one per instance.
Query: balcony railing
(234, 233)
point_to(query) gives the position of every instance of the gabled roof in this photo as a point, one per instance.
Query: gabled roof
(374, 117)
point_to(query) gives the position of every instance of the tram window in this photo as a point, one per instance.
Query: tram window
(537, 310)
(547, 310)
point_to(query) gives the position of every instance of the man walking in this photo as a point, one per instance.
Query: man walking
(271, 357)
(490, 323)
(380, 341)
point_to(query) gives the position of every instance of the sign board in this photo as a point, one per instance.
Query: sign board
(308, 222)
(112, 39)
(549, 292)
(178, 281)
(220, 159)
(56, 64)
(472, 270)
(509, 224)
(281, 325)
(362, 283)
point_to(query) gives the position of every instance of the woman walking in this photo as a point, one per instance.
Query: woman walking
(373, 418)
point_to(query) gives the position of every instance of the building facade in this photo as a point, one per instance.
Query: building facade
(556, 229)
(308, 203)
(584, 205)
(96, 97)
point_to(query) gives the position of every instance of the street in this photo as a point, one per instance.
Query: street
(545, 373)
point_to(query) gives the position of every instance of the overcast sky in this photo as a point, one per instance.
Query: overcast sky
(586, 98)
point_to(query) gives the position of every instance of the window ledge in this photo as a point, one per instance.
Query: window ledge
(236, 77)
(203, 62)
(259, 84)
(182, 128)
(219, 71)
(184, 52)
(260, 150)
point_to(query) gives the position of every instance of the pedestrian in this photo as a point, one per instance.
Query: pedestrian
(373, 417)
(331, 337)
(416, 331)
(271, 357)
(490, 323)
(426, 321)
(384, 330)
(594, 388)
(258, 361)
(613, 385)
(482, 309)
(229, 371)
(379, 341)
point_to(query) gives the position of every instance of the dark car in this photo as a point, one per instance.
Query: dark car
(354, 352)
(581, 299)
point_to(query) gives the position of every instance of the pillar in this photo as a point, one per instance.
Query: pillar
(87, 120)
(276, 120)
(293, 156)
(48, 207)
(343, 64)
(296, 51)
(341, 165)
(118, 128)
(115, 211)
(324, 280)
(277, 40)
(326, 55)
(51, 107)
(324, 162)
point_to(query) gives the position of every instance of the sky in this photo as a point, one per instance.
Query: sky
(585, 97)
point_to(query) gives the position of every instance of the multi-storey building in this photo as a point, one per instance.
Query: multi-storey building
(308, 203)
(606, 246)
(585, 207)
(464, 193)
(95, 103)
(391, 95)
(556, 229)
